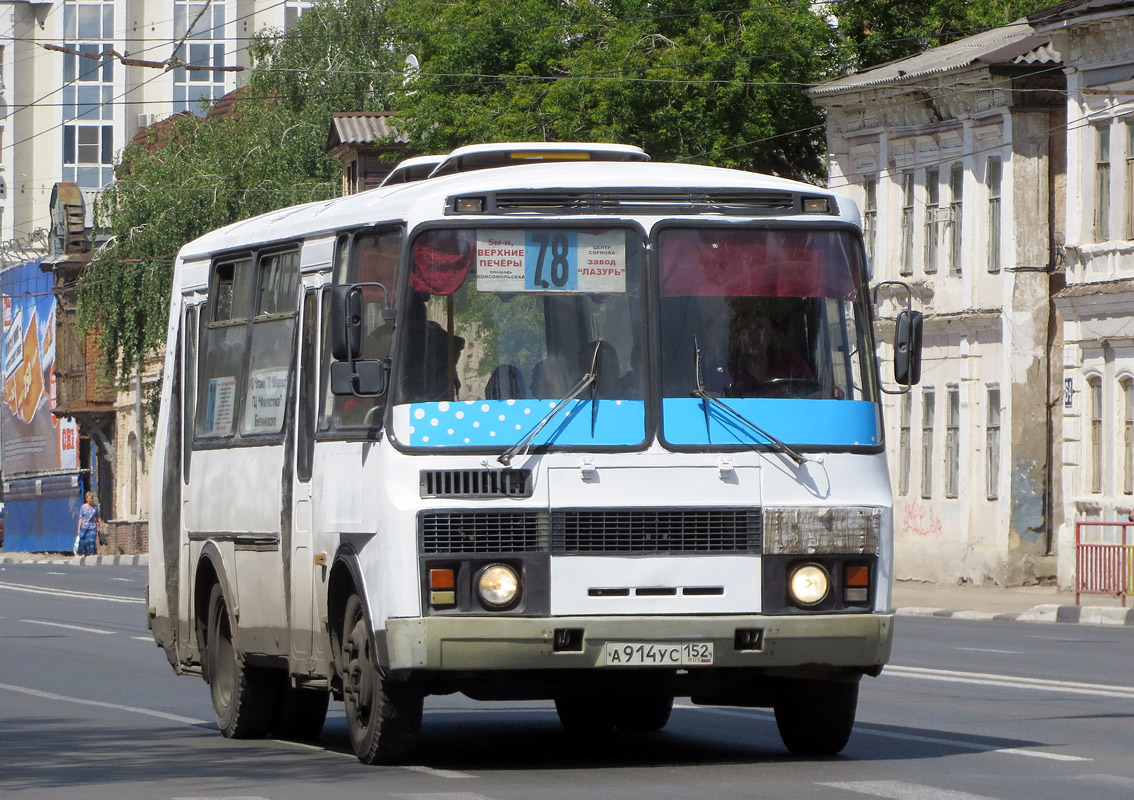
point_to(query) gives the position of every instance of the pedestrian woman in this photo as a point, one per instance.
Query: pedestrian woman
(89, 523)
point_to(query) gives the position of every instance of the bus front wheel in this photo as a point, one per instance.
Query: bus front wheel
(815, 717)
(384, 716)
(243, 696)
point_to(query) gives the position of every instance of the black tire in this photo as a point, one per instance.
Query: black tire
(815, 718)
(384, 716)
(243, 696)
(583, 715)
(643, 713)
(300, 713)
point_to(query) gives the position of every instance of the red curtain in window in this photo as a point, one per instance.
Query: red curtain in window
(441, 261)
(757, 263)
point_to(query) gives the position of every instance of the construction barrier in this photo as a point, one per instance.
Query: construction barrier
(1104, 567)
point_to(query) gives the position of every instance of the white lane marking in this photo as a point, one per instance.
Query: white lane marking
(442, 796)
(148, 712)
(989, 650)
(900, 790)
(1113, 781)
(20, 587)
(68, 627)
(57, 573)
(1016, 682)
(143, 638)
(217, 797)
(867, 730)
(451, 774)
(123, 580)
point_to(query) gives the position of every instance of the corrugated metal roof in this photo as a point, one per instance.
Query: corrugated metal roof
(1076, 8)
(364, 127)
(1016, 43)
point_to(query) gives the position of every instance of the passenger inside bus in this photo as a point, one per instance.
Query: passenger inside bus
(762, 364)
(430, 362)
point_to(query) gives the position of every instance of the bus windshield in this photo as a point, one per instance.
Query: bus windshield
(765, 319)
(501, 324)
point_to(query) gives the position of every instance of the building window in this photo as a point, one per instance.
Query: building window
(88, 94)
(1095, 388)
(1130, 179)
(293, 10)
(956, 211)
(906, 263)
(995, 170)
(932, 209)
(952, 440)
(992, 444)
(201, 28)
(1128, 436)
(927, 409)
(870, 214)
(904, 445)
(1102, 183)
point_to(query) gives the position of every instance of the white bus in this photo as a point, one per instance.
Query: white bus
(583, 428)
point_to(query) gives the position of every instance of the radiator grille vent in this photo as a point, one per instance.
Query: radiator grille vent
(464, 532)
(476, 483)
(737, 202)
(656, 531)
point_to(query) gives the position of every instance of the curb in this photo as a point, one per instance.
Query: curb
(77, 561)
(1083, 615)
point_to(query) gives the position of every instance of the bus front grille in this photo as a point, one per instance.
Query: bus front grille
(661, 531)
(469, 532)
(476, 483)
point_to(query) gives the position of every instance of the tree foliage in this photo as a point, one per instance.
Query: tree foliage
(884, 30)
(699, 80)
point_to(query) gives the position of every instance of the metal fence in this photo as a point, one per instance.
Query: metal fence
(1104, 567)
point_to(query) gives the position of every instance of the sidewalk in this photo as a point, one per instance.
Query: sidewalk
(911, 598)
(1017, 604)
(72, 560)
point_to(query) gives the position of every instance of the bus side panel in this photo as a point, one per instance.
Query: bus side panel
(165, 483)
(234, 498)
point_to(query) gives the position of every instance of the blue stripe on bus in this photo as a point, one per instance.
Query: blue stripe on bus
(502, 423)
(834, 423)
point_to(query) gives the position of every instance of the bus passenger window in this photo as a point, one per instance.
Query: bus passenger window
(272, 339)
(224, 342)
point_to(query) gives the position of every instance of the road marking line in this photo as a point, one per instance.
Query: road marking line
(451, 774)
(900, 790)
(143, 638)
(69, 627)
(987, 679)
(868, 730)
(442, 796)
(20, 587)
(148, 712)
(989, 650)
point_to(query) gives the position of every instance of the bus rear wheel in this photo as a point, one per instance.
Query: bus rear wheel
(243, 696)
(384, 716)
(815, 717)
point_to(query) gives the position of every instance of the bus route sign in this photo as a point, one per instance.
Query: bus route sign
(549, 261)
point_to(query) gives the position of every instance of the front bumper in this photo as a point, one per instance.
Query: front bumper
(492, 644)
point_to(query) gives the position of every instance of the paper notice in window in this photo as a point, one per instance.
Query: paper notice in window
(219, 406)
(264, 407)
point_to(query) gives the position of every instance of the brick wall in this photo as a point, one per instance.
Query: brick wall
(126, 537)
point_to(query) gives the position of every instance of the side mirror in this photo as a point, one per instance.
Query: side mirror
(346, 323)
(360, 378)
(907, 347)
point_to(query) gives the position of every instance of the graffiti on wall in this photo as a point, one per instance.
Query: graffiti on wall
(921, 520)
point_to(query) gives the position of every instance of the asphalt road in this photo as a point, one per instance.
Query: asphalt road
(89, 708)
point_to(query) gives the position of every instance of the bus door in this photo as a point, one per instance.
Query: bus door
(305, 566)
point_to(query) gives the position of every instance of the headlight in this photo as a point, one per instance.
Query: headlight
(808, 584)
(498, 585)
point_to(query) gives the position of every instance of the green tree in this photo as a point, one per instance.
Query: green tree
(884, 30)
(715, 82)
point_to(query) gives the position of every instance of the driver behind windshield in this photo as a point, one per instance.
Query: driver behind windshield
(760, 362)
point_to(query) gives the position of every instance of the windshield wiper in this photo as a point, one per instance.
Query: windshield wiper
(708, 398)
(589, 379)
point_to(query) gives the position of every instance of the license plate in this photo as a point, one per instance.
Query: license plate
(658, 654)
